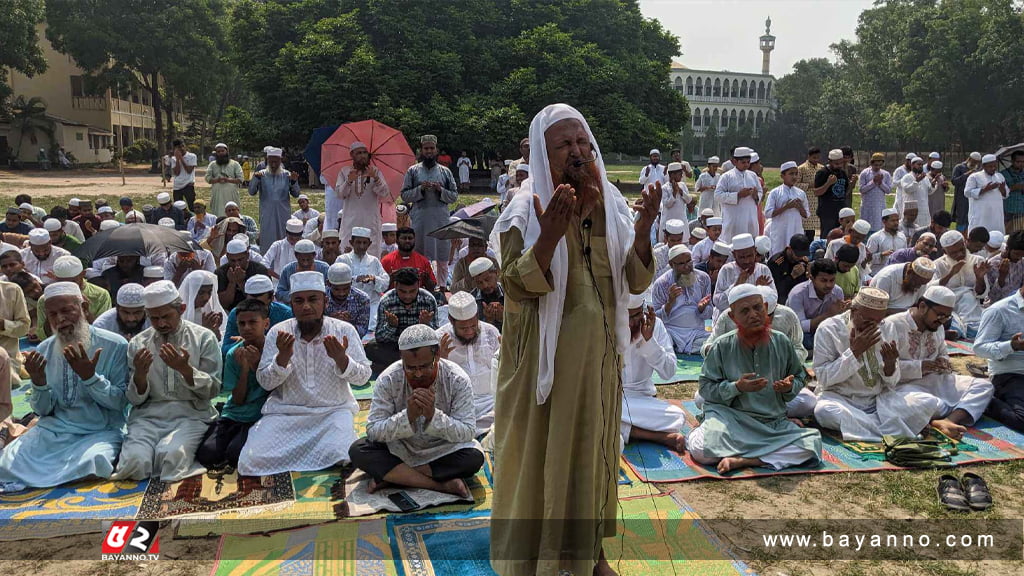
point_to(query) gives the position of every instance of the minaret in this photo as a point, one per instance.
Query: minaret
(767, 45)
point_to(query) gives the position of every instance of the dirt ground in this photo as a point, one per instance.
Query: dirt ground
(885, 495)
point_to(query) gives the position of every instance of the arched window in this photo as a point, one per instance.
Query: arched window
(689, 85)
(725, 118)
(679, 82)
(743, 117)
(715, 121)
(718, 87)
(696, 117)
(760, 90)
(707, 86)
(732, 118)
(743, 89)
(768, 91)
(760, 119)
(707, 117)
(735, 89)
(700, 86)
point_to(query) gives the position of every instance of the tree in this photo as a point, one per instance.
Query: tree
(28, 115)
(19, 49)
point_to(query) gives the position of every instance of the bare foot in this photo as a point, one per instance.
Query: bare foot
(374, 486)
(457, 487)
(603, 568)
(676, 442)
(949, 428)
(730, 464)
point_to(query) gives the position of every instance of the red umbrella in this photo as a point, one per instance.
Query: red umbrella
(389, 152)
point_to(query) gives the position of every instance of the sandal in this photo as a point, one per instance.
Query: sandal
(976, 490)
(951, 495)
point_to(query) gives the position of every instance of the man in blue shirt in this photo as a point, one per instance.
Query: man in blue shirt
(305, 261)
(1000, 341)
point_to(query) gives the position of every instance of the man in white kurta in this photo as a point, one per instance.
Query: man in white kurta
(744, 269)
(682, 299)
(175, 369)
(676, 233)
(787, 207)
(702, 250)
(985, 191)
(363, 188)
(883, 243)
(40, 255)
(653, 173)
(368, 274)
(739, 192)
(964, 274)
(309, 364)
(959, 400)
(645, 417)
(675, 197)
(904, 283)
(917, 187)
(857, 370)
(472, 344)
(282, 252)
(706, 184)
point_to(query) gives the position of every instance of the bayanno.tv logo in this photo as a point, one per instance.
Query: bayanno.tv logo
(128, 540)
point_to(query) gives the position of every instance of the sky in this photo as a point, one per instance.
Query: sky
(724, 34)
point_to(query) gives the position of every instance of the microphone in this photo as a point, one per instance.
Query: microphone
(587, 223)
(579, 163)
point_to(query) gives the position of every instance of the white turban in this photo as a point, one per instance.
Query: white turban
(311, 281)
(462, 306)
(258, 284)
(339, 273)
(58, 289)
(744, 291)
(417, 336)
(951, 238)
(67, 267)
(480, 265)
(160, 293)
(130, 295)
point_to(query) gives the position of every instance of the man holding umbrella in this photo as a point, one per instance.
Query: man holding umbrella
(274, 184)
(362, 188)
(430, 188)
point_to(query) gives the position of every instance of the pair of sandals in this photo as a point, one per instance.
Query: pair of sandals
(964, 494)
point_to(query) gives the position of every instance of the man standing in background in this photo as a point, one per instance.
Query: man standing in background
(430, 188)
(183, 167)
(224, 176)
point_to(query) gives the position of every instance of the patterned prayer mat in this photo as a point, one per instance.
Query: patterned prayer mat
(71, 509)
(20, 399)
(656, 463)
(208, 493)
(364, 392)
(876, 450)
(688, 368)
(479, 486)
(959, 348)
(441, 544)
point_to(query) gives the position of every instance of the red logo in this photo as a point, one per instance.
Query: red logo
(129, 537)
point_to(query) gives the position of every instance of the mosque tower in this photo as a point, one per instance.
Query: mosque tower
(767, 45)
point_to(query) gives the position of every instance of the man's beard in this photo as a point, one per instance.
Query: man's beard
(222, 160)
(428, 162)
(129, 328)
(79, 334)
(586, 180)
(686, 280)
(754, 337)
(917, 170)
(467, 341)
(310, 328)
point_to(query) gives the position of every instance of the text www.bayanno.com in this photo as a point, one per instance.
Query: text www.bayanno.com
(859, 542)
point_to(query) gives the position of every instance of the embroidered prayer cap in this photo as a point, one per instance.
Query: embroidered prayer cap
(401, 209)
(159, 294)
(714, 160)
(109, 225)
(951, 238)
(339, 273)
(221, 145)
(462, 306)
(909, 204)
(153, 272)
(163, 198)
(675, 226)
(889, 212)
(862, 226)
(676, 250)
(699, 233)
(722, 248)
(52, 225)
(76, 201)
(130, 295)
(362, 232)
(742, 242)
(274, 152)
(989, 158)
(940, 295)
(305, 247)
(846, 213)
(675, 167)
(293, 225)
(871, 298)
(636, 301)
(480, 265)
(742, 152)
(995, 239)
(58, 289)
(237, 247)
(428, 139)
(329, 233)
(923, 267)
(877, 156)
(417, 336)
(258, 284)
(707, 213)
(763, 245)
(976, 156)
(654, 151)
(356, 146)
(311, 281)
(38, 237)
(166, 222)
(714, 221)
(389, 227)
(787, 166)
(936, 165)
(744, 291)
(67, 267)
(755, 157)
(835, 154)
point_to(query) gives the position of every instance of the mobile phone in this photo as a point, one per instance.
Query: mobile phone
(403, 501)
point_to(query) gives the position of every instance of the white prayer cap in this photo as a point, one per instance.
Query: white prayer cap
(356, 146)
(787, 166)
(105, 210)
(675, 226)
(330, 233)
(763, 245)
(237, 247)
(707, 213)
(67, 267)
(771, 298)
(508, 162)
(976, 156)
(5, 248)
(936, 165)
(153, 272)
(675, 167)
(462, 306)
(927, 235)
(722, 248)
(166, 222)
(38, 237)
(339, 273)
(846, 213)
(935, 156)
(742, 242)
(917, 159)
(676, 251)
(138, 216)
(744, 291)
(911, 155)
(715, 221)
(258, 284)
(755, 158)
(52, 225)
(727, 165)
(159, 294)
(163, 198)
(654, 151)
(76, 201)
(480, 265)
(58, 289)
(889, 212)
(241, 237)
(862, 226)
(221, 145)
(302, 197)
(742, 152)
(909, 204)
(871, 298)
(995, 239)
(835, 154)
(923, 267)
(940, 295)
(231, 204)
(305, 247)
(180, 204)
(274, 152)
(988, 158)
(362, 232)
(130, 295)
(109, 225)
(636, 301)
(311, 281)
(417, 336)
(266, 149)
(293, 225)
(699, 233)
(401, 209)
(951, 238)
(389, 227)
(25, 206)
(713, 160)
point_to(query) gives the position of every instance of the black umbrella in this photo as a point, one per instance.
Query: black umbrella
(479, 227)
(132, 240)
(1004, 153)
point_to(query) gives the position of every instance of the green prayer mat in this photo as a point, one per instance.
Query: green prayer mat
(688, 367)
(876, 450)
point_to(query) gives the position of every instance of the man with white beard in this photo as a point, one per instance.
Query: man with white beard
(78, 390)
(471, 344)
(128, 317)
(739, 191)
(682, 299)
(964, 274)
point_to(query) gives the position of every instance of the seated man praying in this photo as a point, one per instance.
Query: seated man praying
(404, 305)
(260, 287)
(472, 344)
(682, 299)
(490, 298)
(817, 299)
(128, 317)
(345, 302)
(904, 283)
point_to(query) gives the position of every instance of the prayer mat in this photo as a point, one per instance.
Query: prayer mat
(210, 493)
(959, 348)
(351, 548)
(360, 502)
(656, 463)
(441, 544)
(688, 367)
(71, 509)
(479, 486)
(360, 422)
(20, 399)
(364, 392)
(876, 450)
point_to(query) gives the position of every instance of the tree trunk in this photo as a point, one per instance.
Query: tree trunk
(171, 131)
(154, 88)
